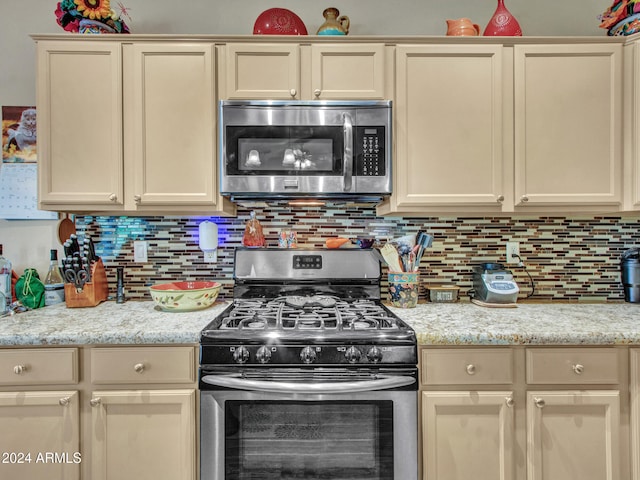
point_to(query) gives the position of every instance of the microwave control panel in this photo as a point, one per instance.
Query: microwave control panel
(370, 152)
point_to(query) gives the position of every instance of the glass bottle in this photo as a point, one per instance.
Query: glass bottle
(5, 284)
(53, 282)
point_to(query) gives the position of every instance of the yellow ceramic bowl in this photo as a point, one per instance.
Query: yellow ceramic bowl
(185, 296)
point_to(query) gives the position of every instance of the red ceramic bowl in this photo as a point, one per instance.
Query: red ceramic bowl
(279, 21)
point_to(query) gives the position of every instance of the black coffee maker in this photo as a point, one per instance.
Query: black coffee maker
(630, 275)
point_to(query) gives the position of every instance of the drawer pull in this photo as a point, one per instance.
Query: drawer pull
(19, 369)
(293, 92)
(316, 92)
(64, 401)
(510, 401)
(578, 369)
(540, 403)
(94, 402)
(471, 369)
(139, 367)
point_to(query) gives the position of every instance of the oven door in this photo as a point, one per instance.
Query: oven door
(309, 424)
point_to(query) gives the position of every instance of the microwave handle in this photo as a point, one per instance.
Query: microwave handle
(348, 151)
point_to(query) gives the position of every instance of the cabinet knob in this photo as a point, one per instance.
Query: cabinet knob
(94, 402)
(578, 369)
(510, 401)
(64, 401)
(524, 199)
(293, 92)
(471, 369)
(19, 369)
(500, 199)
(139, 367)
(113, 197)
(137, 198)
(540, 403)
(317, 92)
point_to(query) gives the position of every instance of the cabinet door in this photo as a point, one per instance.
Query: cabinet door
(172, 112)
(79, 101)
(40, 435)
(468, 435)
(262, 71)
(143, 435)
(348, 71)
(573, 435)
(634, 354)
(568, 110)
(448, 116)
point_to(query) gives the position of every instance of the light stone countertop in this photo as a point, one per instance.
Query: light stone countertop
(131, 323)
(526, 324)
(138, 323)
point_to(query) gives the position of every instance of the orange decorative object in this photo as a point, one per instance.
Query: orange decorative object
(462, 27)
(336, 242)
(253, 236)
(279, 21)
(502, 24)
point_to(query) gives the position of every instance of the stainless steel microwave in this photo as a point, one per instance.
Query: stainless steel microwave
(312, 149)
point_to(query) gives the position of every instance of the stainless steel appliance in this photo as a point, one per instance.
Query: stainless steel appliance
(630, 275)
(492, 283)
(294, 149)
(307, 375)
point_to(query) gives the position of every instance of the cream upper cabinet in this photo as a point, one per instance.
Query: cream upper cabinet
(304, 72)
(448, 115)
(143, 141)
(632, 126)
(567, 126)
(79, 100)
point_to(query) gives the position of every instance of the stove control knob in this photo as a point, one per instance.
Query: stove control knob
(263, 355)
(374, 355)
(308, 355)
(352, 355)
(241, 355)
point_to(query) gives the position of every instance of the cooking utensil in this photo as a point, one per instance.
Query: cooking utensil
(78, 276)
(66, 228)
(390, 255)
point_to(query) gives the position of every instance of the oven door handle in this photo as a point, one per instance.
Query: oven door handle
(348, 151)
(239, 383)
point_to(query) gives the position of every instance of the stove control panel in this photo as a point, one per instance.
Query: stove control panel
(307, 262)
(296, 354)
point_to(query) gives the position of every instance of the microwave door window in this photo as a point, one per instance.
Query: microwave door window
(286, 151)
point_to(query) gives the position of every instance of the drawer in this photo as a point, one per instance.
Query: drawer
(38, 366)
(466, 366)
(572, 365)
(141, 365)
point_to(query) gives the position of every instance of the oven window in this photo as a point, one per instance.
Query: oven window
(274, 440)
(284, 150)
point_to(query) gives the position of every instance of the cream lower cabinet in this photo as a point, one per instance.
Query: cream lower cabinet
(127, 128)
(290, 71)
(143, 434)
(525, 413)
(143, 424)
(635, 412)
(39, 417)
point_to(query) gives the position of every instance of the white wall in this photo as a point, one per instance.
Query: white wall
(27, 243)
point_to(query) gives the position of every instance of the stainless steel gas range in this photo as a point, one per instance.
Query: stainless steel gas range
(306, 375)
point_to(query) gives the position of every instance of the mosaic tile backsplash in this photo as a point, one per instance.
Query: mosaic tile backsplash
(569, 259)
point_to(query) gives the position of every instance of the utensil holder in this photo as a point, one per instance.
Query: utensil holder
(403, 289)
(92, 293)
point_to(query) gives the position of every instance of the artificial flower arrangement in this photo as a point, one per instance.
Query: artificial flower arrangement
(91, 16)
(621, 18)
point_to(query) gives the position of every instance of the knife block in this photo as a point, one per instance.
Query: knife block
(93, 292)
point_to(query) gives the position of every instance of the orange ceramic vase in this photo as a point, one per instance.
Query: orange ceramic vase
(502, 24)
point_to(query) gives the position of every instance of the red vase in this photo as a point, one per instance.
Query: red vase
(502, 24)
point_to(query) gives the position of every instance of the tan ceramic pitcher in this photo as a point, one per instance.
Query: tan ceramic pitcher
(462, 27)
